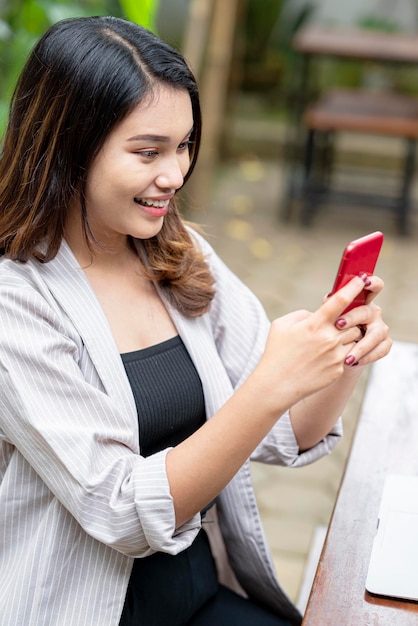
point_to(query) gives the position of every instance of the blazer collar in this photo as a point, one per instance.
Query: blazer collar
(72, 290)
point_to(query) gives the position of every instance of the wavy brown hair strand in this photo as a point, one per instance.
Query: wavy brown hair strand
(38, 212)
(179, 268)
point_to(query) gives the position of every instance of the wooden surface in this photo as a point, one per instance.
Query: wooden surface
(386, 441)
(357, 44)
(357, 110)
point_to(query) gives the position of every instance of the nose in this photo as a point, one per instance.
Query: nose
(172, 173)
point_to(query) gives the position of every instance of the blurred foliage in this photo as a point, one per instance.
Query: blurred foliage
(143, 12)
(400, 78)
(272, 70)
(377, 22)
(259, 25)
(372, 75)
(269, 68)
(23, 21)
(268, 60)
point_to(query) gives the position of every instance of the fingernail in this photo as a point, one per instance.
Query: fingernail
(350, 360)
(355, 363)
(341, 322)
(368, 283)
(364, 277)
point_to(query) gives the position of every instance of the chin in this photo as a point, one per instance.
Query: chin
(148, 232)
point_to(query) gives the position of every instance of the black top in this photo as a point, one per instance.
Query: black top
(164, 589)
(168, 394)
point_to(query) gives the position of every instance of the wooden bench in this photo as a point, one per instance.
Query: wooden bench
(357, 111)
(385, 442)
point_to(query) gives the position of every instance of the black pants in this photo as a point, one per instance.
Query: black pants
(183, 590)
(229, 609)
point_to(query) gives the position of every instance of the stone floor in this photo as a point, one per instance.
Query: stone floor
(292, 268)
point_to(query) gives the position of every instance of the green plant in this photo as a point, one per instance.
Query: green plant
(144, 12)
(373, 22)
(23, 21)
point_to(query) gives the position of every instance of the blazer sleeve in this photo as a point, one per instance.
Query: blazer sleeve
(240, 327)
(73, 435)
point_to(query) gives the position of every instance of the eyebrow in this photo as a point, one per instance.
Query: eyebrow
(155, 138)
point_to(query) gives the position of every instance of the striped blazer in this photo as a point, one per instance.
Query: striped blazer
(77, 500)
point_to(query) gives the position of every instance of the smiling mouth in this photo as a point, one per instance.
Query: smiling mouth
(156, 204)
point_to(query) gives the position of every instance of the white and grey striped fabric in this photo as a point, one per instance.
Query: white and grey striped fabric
(77, 501)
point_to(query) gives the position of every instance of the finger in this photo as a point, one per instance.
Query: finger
(361, 317)
(363, 331)
(339, 301)
(352, 334)
(375, 287)
(376, 284)
(378, 351)
(375, 344)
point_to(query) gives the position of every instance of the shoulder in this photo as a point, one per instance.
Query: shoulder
(23, 292)
(34, 287)
(16, 273)
(198, 238)
(232, 295)
(216, 264)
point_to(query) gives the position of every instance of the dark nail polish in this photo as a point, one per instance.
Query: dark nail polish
(341, 322)
(350, 360)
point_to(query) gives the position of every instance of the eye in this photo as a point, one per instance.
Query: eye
(185, 145)
(148, 154)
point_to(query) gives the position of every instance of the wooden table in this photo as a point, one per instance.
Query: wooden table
(357, 44)
(381, 113)
(347, 43)
(386, 441)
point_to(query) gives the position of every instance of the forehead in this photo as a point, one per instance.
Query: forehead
(166, 111)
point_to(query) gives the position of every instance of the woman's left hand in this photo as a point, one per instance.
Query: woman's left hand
(372, 342)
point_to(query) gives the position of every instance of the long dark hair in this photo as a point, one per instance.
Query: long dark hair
(81, 79)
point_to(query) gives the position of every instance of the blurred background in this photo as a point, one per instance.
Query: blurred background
(255, 177)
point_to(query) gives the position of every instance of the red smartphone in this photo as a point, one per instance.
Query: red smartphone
(359, 257)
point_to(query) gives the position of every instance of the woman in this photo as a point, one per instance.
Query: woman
(138, 374)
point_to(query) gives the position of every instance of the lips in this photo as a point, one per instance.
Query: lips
(155, 208)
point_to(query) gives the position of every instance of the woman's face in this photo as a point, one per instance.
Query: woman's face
(139, 168)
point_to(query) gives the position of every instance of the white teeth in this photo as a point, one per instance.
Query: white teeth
(158, 204)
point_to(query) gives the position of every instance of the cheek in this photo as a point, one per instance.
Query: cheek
(95, 189)
(110, 178)
(96, 180)
(185, 164)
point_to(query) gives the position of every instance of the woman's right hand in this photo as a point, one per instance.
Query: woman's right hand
(307, 350)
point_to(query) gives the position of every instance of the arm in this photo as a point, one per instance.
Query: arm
(83, 445)
(328, 404)
(304, 355)
(74, 421)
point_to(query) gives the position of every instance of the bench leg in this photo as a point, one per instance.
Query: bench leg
(308, 202)
(404, 199)
(318, 168)
(327, 159)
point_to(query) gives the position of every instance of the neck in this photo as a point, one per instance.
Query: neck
(115, 253)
